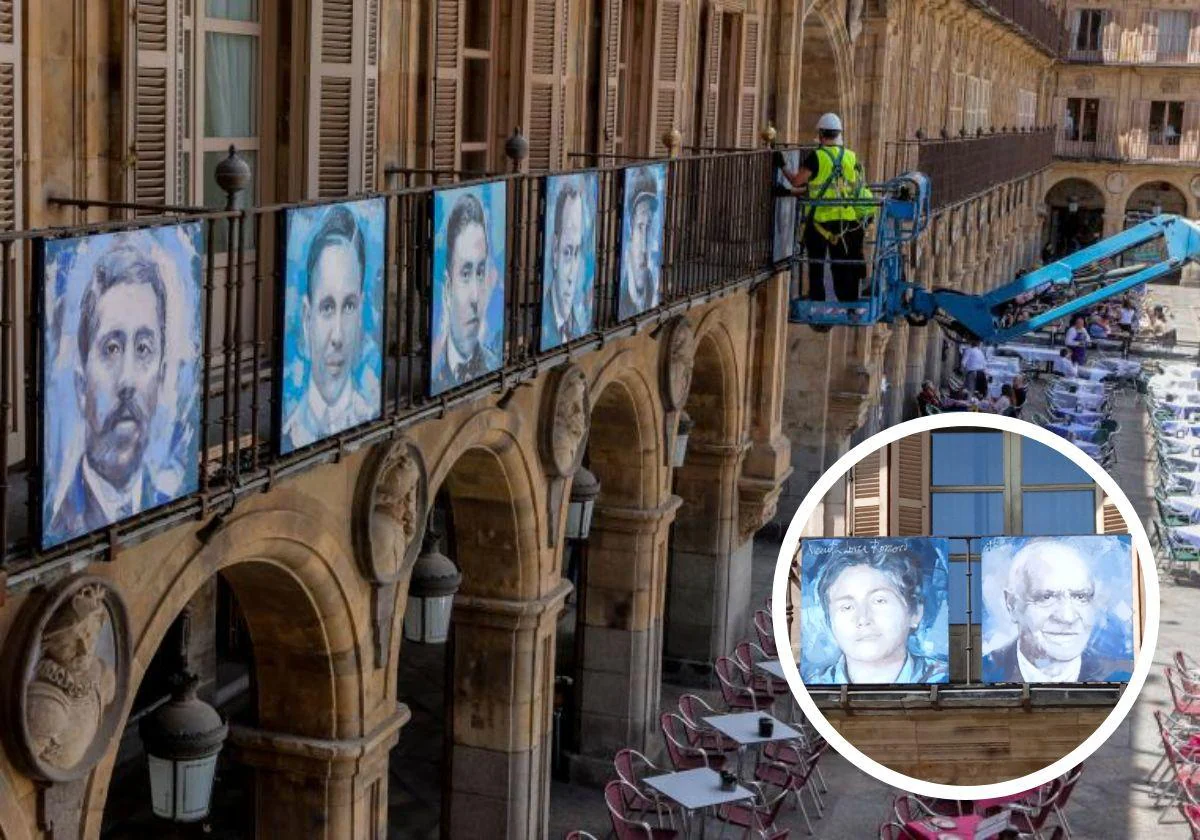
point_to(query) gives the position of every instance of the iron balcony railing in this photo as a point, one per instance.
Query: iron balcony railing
(962, 167)
(1037, 20)
(1129, 146)
(718, 235)
(1130, 46)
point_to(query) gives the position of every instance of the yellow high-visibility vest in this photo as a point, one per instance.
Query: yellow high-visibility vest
(839, 177)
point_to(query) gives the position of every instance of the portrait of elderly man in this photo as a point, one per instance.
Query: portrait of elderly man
(642, 241)
(1051, 599)
(332, 309)
(464, 339)
(570, 253)
(872, 599)
(122, 339)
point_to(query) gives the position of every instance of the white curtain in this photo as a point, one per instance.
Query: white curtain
(229, 85)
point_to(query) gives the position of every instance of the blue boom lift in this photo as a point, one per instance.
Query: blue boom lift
(1145, 252)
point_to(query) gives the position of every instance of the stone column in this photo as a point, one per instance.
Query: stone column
(710, 562)
(806, 385)
(915, 369)
(503, 666)
(318, 788)
(623, 600)
(1114, 220)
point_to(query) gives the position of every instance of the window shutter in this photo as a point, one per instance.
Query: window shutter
(667, 42)
(547, 84)
(1193, 49)
(1189, 143)
(909, 485)
(1139, 130)
(1150, 35)
(447, 84)
(336, 114)
(370, 141)
(711, 97)
(868, 506)
(153, 92)
(748, 97)
(1109, 519)
(1106, 124)
(609, 130)
(12, 141)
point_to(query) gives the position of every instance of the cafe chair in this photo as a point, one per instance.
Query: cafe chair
(632, 767)
(625, 826)
(1031, 818)
(758, 818)
(693, 710)
(579, 834)
(895, 831)
(736, 690)
(792, 779)
(1191, 816)
(683, 755)
(747, 654)
(766, 638)
(908, 808)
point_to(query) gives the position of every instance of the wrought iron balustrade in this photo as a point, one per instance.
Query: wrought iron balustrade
(717, 236)
(1129, 146)
(1036, 19)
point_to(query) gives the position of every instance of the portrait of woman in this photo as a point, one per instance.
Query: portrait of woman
(874, 611)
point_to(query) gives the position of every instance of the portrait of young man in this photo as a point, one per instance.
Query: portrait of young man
(332, 321)
(641, 239)
(1057, 610)
(121, 414)
(569, 258)
(468, 285)
(874, 611)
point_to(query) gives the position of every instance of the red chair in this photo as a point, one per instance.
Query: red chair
(1069, 780)
(746, 654)
(766, 639)
(908, 808)
(895, 831)
(1186, 704)
(758, 818)
(694, 709)
(632, 767)
(739, 695)
(1183, 772)
(683, 755)
(1191, 814)
(624, 826)
(579, 835)
(1031, 819)
(792, 779)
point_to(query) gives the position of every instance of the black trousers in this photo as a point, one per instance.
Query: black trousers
(846, 254)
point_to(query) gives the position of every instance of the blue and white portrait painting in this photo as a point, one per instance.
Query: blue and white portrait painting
(569, 258)
(122, 346)
(874, 611)
(333, 320)
(642, 216)
(1057, 609)
(785, 208)
(468, 284)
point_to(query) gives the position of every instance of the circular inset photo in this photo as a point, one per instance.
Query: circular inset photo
(972, 606)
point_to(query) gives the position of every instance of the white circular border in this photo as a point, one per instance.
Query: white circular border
(1141, 543)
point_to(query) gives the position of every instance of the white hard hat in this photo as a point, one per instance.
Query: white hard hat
(829, 122)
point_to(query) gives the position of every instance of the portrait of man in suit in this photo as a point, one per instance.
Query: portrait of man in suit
(121, 335)
(642, 229)
(468, 333)
(569, 259)
(1051, 598)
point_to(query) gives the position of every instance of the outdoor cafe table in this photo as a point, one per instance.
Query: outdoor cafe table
(1185, 505)
(1119, 367)
(1190, 481)
(1030, 353)
(1083, 400)
(1081, 416)
(1089, 449)
(959, 828)
(694, 790)
(773, 667)
(1074, 431)
(1186, 411)
(1180, 429)
(1189, 534)
(1181, 463)
(743, 729)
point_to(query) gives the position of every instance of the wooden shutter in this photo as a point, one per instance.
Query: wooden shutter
(748, 92)
(337, 118)
(1106, 125)
(1109, 519)
(668, 41)
(370, 140)
(909, 485)
(154, 100)
(710, 100)
(1139, 129)
(958, 94)
(1150, 35)
(1189, 143)
(611, 82)
(447, 84)
(1059, 115)
(868, 503)
(547, 33)
(1193, 48)
(12, 143)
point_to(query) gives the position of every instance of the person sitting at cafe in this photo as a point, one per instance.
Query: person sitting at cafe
(959, 400)
(1003, 404)
(1064, 365)
(1098, 327)
(928, 397)
(1020, 389)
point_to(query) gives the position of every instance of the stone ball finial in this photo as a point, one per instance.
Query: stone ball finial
(672, 139)
(769, 134)
(232, 174)
(920, 134)
(517, 146)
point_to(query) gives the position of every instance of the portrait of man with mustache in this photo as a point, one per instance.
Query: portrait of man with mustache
(122, 335)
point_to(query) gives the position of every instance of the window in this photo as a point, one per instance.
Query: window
(1081, 120)
(1166, 123)
(978, 104)
(477, 72)
(1089, 30)
(1026, 108)
(1173, 30)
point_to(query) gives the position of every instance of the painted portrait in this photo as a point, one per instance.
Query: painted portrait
(642, 217)
(569, 258)
(1057, 609)
(468, 284)
(785, 208)
(122, 349)
(333, 320)
(874, 611)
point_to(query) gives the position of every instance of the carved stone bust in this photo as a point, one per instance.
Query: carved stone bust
(568, 414)
(392, 499)
(679, 351)
(74, 678)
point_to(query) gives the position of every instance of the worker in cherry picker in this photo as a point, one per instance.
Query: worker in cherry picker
(835, 225)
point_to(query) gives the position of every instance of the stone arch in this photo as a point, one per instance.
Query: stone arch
(1065, 229)
(825, 44)
(1059, 188)
(624, 403)
(300, 596)
(716, 399)
(1145, 192)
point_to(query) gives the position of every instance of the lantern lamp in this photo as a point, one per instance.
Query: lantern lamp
(681, 439)
(434, 582)
(584, 490)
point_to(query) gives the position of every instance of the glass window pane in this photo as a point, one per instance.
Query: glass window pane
(475, 100)
(968, 458)
(959, 603)
(233, 9)
(230, 62)
(1042, 465)
(214, 197)
(477, 25)
(968, 515)
(1058, 512)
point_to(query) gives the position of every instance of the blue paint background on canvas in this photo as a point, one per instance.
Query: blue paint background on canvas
(172, 455)
(588, 185)
(492, 196)
(654, 239)
(819, 649)
(1111, 561)
(302, 225)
